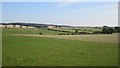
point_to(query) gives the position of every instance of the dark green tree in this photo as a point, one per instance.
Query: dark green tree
(5, 26)
(40, 33)
(107, 30)
(76, 31)
(14, 26)
(116, 29)
(20, 26)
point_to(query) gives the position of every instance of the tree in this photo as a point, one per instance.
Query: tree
(107, 30)
(27, 26)
(20, 26)
(116, 29)
(40, 33)
(5, 26)
(14, 26)
(76, 31)
(111, 30)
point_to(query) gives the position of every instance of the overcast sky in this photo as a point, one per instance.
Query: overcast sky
(68, 13)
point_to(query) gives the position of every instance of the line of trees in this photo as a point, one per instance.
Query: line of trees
(108, 30)
(105, 30)
(59, 30)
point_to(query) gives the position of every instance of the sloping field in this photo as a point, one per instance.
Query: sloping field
(110, 38)
(35, 51)
(29, 31)
(23, 48)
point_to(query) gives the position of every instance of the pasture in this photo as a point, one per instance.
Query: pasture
(29, 31)
(23, 47)
(107, 38)
(80, 29)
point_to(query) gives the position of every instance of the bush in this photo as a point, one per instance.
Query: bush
(97, 32)
(64, 34)
(117, 29)
(107, 30)
(5, 26)
(76, 31)
(40, 33)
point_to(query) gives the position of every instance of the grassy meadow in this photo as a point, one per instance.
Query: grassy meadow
(29, 31)
(29, 49)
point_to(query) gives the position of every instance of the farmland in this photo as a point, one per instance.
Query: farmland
(112, 38)
(24, 47)
(80, 29)
(29, 31)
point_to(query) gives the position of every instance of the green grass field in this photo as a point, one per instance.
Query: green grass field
(44, 51)
(29, 31)
(82, 29)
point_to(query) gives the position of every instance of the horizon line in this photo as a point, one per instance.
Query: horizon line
(60, 24)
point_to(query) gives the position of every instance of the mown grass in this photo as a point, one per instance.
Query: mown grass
(25, 51)
(38, 51)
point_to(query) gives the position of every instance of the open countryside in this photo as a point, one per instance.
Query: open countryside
(65, 33)
(26, 47)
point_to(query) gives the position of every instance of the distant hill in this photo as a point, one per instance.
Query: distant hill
(34, 24)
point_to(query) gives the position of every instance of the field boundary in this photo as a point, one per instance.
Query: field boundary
(92, 38)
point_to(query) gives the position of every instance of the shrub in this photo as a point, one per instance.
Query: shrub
(76, 31)
(97, 32)
(64, 34)
(117, 29)
(107, 30)
(5, 26)
(40, 33)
